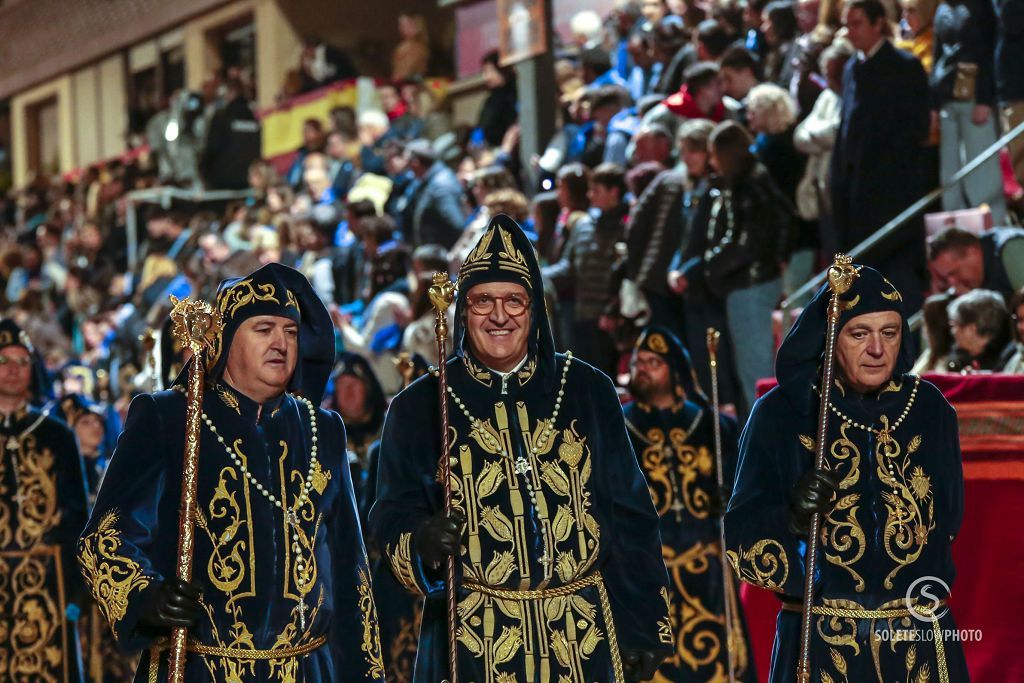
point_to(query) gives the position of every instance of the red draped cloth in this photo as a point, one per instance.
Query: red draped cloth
(988, 595)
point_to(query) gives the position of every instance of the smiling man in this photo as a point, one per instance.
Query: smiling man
(281, 588)
(891, 499)
(559, 571)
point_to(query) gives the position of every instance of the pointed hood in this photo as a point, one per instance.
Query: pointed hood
(798, 364)
(505, 254)
(281, 291)
(661, 341)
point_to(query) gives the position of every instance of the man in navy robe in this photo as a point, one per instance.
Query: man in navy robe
(890, 496)
(671, 425)
(281, 586)
(42, 509)
(559, 571)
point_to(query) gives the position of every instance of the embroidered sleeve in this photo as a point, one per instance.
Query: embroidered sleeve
(110, 576)
(760, 547)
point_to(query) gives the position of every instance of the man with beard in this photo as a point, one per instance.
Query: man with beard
(890, 498)
(671, 425)
(282, 589)
(559, 573)
(42, 509)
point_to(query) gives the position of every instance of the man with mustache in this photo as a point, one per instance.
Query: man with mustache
(671, 425)
(281, 587)
(559, 573)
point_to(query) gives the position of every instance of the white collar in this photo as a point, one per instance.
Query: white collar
(862, 56)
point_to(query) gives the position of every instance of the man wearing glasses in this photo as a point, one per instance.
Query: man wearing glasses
(559, 575)
(671, 425)
(42, 511)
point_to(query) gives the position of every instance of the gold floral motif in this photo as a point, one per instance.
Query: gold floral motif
(511, 258)
(762, 564)
(38, 512)
(910, 504)
(400, 558)
(229, 398)
(479, 257)
(32, 641)
(402, 648)
(371, 630)
(111, 576)
(842, 535)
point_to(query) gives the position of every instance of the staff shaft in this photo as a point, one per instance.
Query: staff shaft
(712, 340)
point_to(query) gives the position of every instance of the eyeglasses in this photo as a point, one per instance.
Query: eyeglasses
(19, 362)
(652, 363)
(513, 304)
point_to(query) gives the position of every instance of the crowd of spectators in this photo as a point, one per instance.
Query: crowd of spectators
(710, 157)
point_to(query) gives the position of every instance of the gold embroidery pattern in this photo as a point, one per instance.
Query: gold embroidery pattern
(292, 301)
(699, 630)
(38, 512)
(838, 627)
(479, 257)
(511, 258)
(910, 505)
(371, 629)
(402, 648)
(400, 559)
(842, 536)
(32, 641)
(674, 467)
(762, 565)
(229, 398)
(6, 532)
(111, 576)
(558, 635)
(242, 294)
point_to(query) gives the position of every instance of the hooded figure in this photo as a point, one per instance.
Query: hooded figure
(671, 426)
(281, 588)
(42, 509)
(357, 396)
(549, 502)
(891, 497)
(40, 390)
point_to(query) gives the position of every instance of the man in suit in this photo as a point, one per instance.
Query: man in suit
(878, 168)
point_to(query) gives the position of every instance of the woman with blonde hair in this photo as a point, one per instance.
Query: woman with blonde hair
(412, 55)
(771, 116)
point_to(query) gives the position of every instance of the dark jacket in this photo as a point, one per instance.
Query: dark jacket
(438, 217)
(1009, 50)
(499, 111)
(744, 230)
(878, 168)
(594, 256)
(965, 33)
(655, 228)
(233, 142)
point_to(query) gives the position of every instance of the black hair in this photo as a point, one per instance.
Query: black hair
(783, 18)
(612, 176)
(576, 179)
(874, 10)
(700, 75)
(714, 37)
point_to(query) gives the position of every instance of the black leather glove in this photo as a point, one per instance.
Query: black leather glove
(815, 492)
(438, 537)
(718, 500)
(173, 603)
(640, 665)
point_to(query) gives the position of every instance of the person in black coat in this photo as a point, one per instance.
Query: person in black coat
(232, 143)
(878, 168)
(501, 108)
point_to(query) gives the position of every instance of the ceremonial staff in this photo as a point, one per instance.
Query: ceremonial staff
(441, 293)
(196, 325)
(841, 275)
(713, 336)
